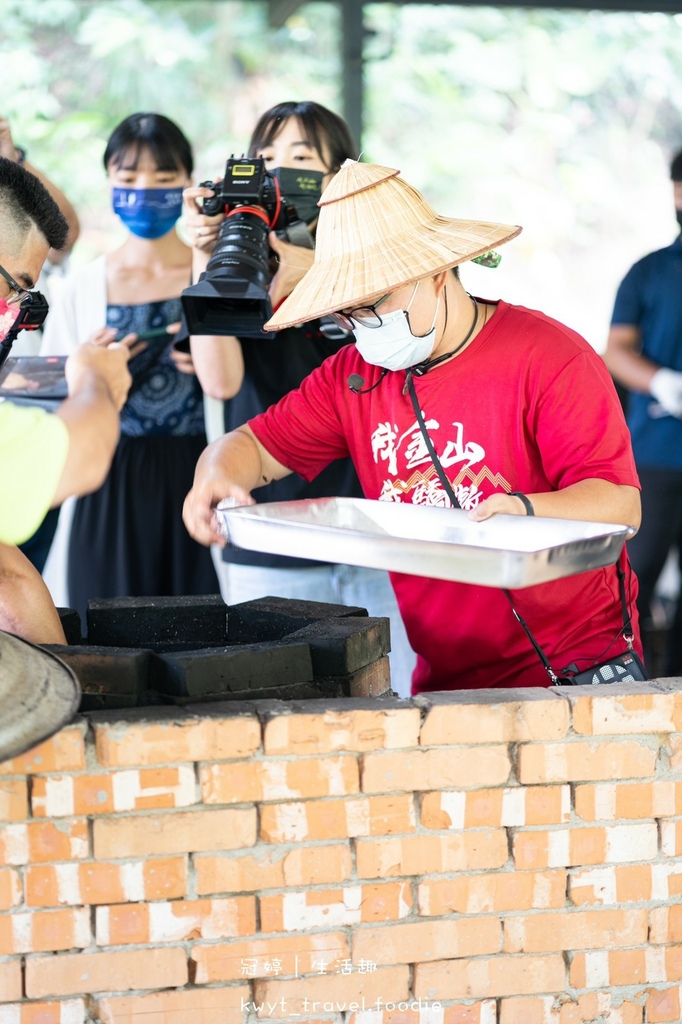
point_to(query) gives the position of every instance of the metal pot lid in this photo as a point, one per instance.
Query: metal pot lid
(39, 694)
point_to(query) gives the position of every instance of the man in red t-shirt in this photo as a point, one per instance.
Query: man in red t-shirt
(520, 410)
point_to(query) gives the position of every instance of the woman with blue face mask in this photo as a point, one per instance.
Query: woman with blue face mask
(127, 539)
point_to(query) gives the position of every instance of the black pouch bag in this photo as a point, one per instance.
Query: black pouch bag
(624, 668)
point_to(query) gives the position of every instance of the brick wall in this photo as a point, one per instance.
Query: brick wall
(478, 858)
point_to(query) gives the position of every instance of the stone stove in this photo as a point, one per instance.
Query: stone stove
(137, 652)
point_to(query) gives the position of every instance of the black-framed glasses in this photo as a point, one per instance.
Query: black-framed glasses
(365, 316)
(17, 292)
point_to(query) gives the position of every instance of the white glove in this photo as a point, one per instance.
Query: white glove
(666, 386)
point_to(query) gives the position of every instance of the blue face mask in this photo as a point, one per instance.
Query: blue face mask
(148, 212)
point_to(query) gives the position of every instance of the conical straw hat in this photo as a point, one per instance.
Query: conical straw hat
(375, 233)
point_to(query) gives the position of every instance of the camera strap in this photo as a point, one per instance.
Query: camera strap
(556, 679)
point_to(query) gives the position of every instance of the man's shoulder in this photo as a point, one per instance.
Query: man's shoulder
(658, 257)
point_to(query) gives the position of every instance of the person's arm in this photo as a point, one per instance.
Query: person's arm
(218, 360)
(625, 361)
(26, 607)
(98, 381)
(10, 151)
(230, 467)
(598, 501)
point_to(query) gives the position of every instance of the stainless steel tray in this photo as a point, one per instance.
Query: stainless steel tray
(441, 543)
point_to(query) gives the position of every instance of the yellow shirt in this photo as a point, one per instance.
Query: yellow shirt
(33, 449)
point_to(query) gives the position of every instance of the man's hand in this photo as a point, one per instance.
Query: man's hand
(91, 364)
(229, 468)
(294, 262)
(497, 504)
(666, 387)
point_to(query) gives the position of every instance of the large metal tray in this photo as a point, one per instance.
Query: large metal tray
(441, 543)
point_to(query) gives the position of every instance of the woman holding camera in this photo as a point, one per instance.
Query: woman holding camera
(253, 373)
(127, 539)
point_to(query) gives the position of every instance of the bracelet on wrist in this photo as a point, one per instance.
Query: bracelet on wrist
(527, 503)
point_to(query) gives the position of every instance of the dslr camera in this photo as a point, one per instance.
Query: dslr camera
(231, 296)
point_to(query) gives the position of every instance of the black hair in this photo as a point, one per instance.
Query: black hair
(167, 144)
(322, 127)
(25, 202)
(676, 167)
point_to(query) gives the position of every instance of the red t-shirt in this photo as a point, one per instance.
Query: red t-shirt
(528, 406)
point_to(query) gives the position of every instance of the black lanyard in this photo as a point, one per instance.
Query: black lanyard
(628, 635)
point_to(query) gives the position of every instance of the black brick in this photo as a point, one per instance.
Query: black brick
(110, 677)
(71, 624)
(151, 621)
(244, 671)
(342, 646)
(272, 618)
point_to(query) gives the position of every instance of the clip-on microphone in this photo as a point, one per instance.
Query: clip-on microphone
(356, 382)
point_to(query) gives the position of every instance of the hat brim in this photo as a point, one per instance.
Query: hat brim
(344, 280)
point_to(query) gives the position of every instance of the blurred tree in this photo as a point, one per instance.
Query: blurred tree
(562, 121)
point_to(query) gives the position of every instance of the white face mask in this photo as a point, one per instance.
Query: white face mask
(393, 345)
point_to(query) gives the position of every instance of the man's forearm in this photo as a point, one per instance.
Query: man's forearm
(26, 607)
(92, 421)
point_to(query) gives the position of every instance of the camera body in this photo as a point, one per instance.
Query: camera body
(247, 183)
(231, 296)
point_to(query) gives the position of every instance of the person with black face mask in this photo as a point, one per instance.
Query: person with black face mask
(644, 354)
(127, 539)
(295, 140)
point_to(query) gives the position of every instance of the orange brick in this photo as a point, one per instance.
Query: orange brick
(332, 993)
(154, 923)
(582, 762)
(530, 1010)
(565, 847)
(317, 865)
(66, 1011)
(577, 929)
(617, 967)
(198, 1005)
(498, 892)
(335, 908)
(424, 854)
(137, 789)
(337, 819)
(353, 729)
(666, 924)
(93, 883)
(435, 769)
(10, 888)
(284, 954)
(44, 932)
(535, 805)
(627, 883)
(501, 717)
(63, 752)
(105, 972)
(663, 1006)
(674, 744)
(183, 738)
(254, 781)
(10, 981)
(642, 711)
(426, 940)
(44, 841)
(182, 832)
(13, 800)
(239, 873)
(490, 977)
(484, 1012)
(598, 1007)
(610, 801)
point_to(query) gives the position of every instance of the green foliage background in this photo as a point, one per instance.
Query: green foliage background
(561, 121)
